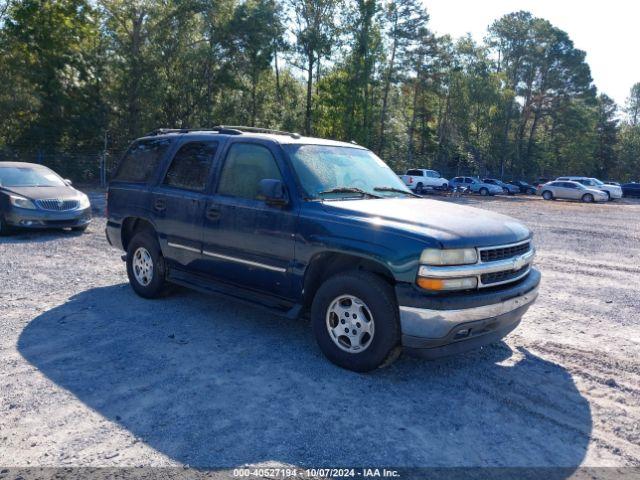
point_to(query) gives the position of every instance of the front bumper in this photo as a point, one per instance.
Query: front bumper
(440, 329)
(38, 219)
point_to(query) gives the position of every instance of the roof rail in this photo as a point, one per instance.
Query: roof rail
(271, 131)
(218, 129)
(225, 129)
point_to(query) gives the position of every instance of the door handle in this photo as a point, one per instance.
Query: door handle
(160, 205)
(213, 213)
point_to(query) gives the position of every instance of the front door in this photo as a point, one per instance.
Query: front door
(246, 241)
(179, 201)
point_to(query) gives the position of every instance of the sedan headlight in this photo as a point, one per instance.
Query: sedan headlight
(21, 202)
(458, 256)
(83, 201)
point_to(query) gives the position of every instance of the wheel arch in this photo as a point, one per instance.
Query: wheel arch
(324, 265)
(132, 225)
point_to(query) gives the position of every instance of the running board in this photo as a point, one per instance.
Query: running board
(206, 285)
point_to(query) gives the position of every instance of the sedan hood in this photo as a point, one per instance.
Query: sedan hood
(450, 224)
(40, 193)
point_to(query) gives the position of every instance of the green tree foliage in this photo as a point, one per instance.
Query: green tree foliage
(519, 104)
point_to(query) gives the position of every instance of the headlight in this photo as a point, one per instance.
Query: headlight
(83, 201)
(459, 256)
(439, 284)
(21, 202)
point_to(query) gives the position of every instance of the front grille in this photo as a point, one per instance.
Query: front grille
(504, 276)
(57, 205)
(501, 253)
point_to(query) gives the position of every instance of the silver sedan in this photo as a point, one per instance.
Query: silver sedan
(571, 191)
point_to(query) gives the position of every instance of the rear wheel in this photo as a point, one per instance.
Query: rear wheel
(419, 188)
(355, 321)
(547, 195)
(587, 198)
(145, 265)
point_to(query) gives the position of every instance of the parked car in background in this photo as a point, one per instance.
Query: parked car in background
(541, 181)
(610, 182)
(612, 191)
(476, 186)
(524, 187)
(33, 196)
(631, 189)
(571, 191)
(419, 179)
(506, 187)
(312, 227)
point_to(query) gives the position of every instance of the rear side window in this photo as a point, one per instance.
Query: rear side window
(191, 165)
(246, 164)
(141, 160)
(415, 173)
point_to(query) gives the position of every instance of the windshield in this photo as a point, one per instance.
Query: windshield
(321, 169)
(29, 177)
(588, 182)
(597, 182)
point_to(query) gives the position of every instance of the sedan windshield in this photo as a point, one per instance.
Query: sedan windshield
(342, 172)
(29, 177)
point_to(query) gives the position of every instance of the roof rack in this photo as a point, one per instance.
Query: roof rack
(271, 131)
(218, 129)
(224, 129)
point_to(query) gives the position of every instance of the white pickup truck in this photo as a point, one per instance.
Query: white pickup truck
(420, 179)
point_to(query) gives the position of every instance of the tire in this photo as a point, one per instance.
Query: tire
(587, 198)
(419, 188)
(80, 229)
(144, 250)
(445, 186)
(379, 306)
(4, 228)
(484, 192)
(547, 195)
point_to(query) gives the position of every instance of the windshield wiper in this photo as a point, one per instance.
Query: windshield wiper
(364, 193)
(395, 190)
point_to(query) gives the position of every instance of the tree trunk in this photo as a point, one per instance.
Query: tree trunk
(307, 117)
(385, 96)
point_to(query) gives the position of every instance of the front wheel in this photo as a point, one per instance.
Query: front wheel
(587, 198)
(484, 192)
(146, 266)
(355, 321)
(4, 228)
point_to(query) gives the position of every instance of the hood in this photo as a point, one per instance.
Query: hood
(450, 224)
(39, 193)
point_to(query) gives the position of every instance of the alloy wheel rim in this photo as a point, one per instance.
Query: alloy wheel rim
(142, 266)
(350, 324)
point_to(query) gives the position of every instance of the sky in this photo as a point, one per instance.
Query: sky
(608, 30)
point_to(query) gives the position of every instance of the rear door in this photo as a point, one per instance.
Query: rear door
(246, 241)
(179, 200)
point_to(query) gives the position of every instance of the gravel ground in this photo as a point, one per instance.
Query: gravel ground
(92, 375)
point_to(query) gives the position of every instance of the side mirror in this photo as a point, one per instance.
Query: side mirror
(273, 192)
(68, 181)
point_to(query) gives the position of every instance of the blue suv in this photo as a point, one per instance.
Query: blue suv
(320, 229)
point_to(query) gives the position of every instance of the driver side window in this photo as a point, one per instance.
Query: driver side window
(246, 164)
